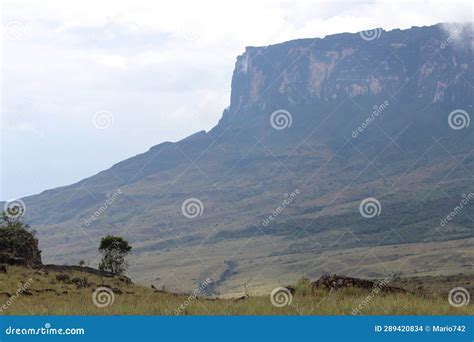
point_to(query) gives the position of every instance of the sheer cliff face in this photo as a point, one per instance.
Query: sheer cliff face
(368, 117)
(431, 64)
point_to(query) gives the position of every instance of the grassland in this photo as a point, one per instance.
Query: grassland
(178, 269)
(46, 295)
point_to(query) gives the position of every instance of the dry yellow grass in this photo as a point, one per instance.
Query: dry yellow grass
(61, 298)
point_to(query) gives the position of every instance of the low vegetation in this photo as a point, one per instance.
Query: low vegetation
(63, 290)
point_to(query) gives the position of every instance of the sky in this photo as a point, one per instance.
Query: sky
(86, 84)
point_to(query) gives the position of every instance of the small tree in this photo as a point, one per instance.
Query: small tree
(114, 249)
(18, 244)
(7, 221)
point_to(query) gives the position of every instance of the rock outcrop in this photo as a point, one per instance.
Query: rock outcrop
(309, 71)
(334, 282)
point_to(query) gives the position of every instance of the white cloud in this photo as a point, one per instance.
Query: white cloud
(163, 68)
(111, 61)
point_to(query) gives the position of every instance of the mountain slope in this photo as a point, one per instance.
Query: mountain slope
(369, 119)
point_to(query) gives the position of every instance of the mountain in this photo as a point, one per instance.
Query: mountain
(340, 155)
